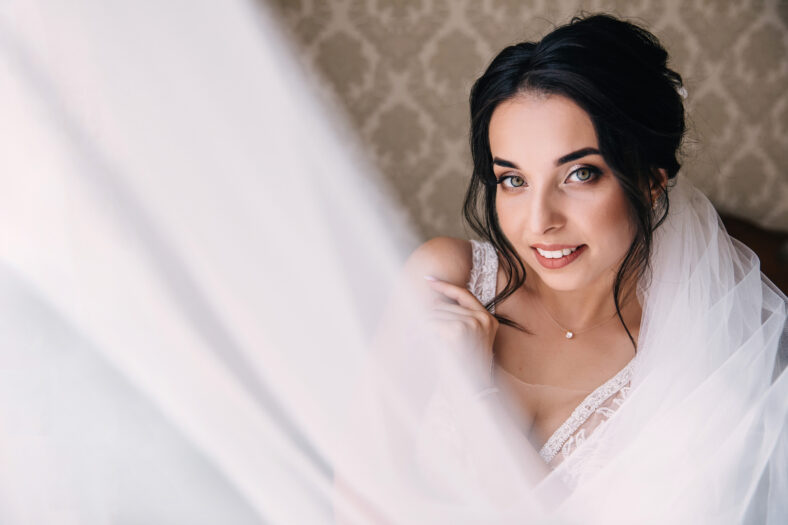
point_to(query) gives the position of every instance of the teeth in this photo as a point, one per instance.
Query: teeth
(556, 254)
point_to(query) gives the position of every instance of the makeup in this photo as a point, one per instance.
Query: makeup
(556, 263)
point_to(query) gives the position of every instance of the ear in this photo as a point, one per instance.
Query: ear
(658, 189)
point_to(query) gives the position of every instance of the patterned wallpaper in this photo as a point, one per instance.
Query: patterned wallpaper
(402, 70)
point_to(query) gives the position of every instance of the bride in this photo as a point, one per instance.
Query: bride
(193, 263)
(569, 183)
(600, 276)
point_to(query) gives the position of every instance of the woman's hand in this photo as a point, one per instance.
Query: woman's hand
(460, 322)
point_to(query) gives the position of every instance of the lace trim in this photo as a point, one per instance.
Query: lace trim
(583, 411)
(482, 283)
(579, 438)
(484, 271)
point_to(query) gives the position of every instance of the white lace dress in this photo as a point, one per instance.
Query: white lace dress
(594, 408)
(591, 412)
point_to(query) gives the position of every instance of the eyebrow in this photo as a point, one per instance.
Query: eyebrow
(579, 154)
(569, 157)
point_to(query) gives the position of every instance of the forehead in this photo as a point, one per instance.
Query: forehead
(534, 130)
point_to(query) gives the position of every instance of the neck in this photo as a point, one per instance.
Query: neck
(582, 308)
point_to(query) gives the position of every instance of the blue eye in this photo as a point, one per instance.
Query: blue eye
(584, 174)
(511, 181)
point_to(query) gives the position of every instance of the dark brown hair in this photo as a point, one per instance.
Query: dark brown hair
(617, 72)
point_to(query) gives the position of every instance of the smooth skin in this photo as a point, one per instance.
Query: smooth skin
(541, 200)
(545, 200)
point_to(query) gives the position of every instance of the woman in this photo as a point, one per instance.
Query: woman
(182, 337)
(579, 297)
(572, 211)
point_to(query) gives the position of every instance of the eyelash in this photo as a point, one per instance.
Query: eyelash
(594, 174)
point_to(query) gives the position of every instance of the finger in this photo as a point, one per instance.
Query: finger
(472, 321)
(451, 307)
(479, 315)
(460, 295)
(450, 316)
(439, 298)
(444, 325)
(449, 328)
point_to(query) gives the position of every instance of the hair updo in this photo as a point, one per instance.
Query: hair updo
(617, 72)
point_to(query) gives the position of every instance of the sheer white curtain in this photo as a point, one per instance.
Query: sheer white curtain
(193, 262)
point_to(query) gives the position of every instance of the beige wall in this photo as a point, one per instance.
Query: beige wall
(403, 69)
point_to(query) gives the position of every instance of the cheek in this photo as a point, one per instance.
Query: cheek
(614, 219)
(508, 217)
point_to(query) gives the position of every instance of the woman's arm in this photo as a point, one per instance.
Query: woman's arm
(440, 311)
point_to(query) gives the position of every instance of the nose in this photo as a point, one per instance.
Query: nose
(545, 212)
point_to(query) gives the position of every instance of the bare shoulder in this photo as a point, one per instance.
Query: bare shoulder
(446, 258)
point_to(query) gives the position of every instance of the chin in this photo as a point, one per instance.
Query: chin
(562, 283)
(573, 277)
(578, 275)
(563, 280)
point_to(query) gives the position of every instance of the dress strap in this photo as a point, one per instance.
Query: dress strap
(484, 271)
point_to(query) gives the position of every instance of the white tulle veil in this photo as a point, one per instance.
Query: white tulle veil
(195, 268)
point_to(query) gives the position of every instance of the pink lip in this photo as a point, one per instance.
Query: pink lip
(553, 264)
(553, 247)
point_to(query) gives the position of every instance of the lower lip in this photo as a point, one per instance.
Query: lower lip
(554, 264)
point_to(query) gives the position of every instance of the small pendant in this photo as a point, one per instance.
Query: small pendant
(569, 335)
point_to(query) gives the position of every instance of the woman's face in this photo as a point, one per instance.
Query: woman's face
(558, 202)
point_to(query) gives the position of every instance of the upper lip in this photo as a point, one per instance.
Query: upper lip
(555, 247)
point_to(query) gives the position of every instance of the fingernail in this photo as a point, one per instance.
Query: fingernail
(430, 278)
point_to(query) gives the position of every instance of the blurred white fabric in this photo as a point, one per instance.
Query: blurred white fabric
(193, 262)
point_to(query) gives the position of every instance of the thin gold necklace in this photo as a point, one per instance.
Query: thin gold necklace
(570, 334)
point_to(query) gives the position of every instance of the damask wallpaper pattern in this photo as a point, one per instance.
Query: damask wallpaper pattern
(402, 70)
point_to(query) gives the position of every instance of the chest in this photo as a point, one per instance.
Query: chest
(546, 377)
